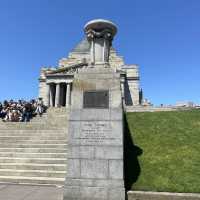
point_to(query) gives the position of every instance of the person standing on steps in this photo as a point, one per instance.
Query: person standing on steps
(39, 107)
(26, 112)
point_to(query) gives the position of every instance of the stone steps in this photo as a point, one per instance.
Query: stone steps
(49, 125)
(32, 180)
(32, 155)
(30, 127)
(35, 131)
(14, 145)
(29, 124)
(30, 141)
(33, 160)
(33, 138)
(35, 152)
(33, 166)
(32, 173)
(32, 133)
(43, 117)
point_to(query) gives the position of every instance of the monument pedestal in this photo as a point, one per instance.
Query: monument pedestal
(95, 159)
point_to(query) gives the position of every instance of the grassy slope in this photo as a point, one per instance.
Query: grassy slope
(171, 150)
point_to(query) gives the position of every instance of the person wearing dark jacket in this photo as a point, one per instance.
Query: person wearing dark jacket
(26, 112)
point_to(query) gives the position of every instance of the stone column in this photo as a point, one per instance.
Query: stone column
(62, 95)
(68, 94)
(122, 88)
(48, 94)
(92, 52)
(57, 96)
(51, 95)
(122, 82)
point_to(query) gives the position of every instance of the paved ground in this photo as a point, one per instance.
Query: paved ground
(27, 192)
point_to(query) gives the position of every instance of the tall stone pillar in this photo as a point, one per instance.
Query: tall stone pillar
(62, 98)
(68, 94)
(51, 95)
(57, 95)
(123, 91)
(48, 95)
(122, 87)
(95, 137)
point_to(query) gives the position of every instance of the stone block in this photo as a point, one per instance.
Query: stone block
(80, 182)
(95, 114)
(73, 151)
(107, 183)
(73, 168)
(87, 152)
(77, 98)
(116, 169)
(81, 152)
(94, 169)
(116, 193)
(109, 152)
(116, 114)
(71, 193)
(115, 99)
(93, 193)
(117, 128)
(74, 132)
(75, 115)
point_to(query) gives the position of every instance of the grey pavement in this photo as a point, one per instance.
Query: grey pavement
(30, 192)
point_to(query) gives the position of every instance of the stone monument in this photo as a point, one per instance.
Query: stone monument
(95, 159)
(56, 82)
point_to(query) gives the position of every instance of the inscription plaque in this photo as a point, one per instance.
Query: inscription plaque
(96, 99)
(97, 133)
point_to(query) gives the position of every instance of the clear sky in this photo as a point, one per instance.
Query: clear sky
(161, 36)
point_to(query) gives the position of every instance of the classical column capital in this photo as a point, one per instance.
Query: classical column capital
(106, 34)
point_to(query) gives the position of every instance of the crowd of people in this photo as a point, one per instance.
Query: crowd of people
(21, 111)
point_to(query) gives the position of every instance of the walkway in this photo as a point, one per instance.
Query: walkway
(28, 192)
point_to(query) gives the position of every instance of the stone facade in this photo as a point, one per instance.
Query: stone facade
(56, 83)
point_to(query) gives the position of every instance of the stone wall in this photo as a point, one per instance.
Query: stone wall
(154, 109)
(132, 86)
(43, 91)
(132, 92)
(73, 58)
(115, 60)
(139, 195)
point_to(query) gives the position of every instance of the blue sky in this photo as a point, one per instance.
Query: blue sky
(162, 37)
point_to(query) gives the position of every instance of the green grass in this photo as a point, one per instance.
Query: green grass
(170, 157)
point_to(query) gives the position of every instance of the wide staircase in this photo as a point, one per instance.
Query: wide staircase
(35, 152)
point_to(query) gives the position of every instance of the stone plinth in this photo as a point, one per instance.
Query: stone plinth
(95, 160)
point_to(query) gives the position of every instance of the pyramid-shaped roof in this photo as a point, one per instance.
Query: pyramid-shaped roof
(82, 47)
